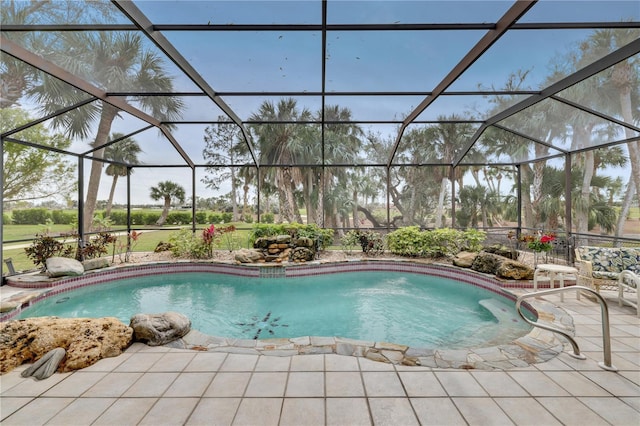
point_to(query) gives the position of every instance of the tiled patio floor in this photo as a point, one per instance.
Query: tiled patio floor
(161, 386)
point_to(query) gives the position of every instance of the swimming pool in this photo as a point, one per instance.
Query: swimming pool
(412, 309)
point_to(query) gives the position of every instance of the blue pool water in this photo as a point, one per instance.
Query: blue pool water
(410, 309)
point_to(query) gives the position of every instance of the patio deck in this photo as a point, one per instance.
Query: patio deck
(162, 386)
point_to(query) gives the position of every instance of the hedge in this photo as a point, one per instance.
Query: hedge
(31, 216)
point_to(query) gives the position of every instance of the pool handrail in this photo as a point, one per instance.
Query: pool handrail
(606, 335)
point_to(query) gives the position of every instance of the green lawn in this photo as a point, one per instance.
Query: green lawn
(147, 241)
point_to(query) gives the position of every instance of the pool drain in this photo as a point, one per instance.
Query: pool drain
(266, 324)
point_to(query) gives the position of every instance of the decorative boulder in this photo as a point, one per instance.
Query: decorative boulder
(86, 340)
(464, 259)
(503, 251)
(487, 263)
(304, 242)
(63, 266)
(283, 239)
(162, 246)
(159, 329)
(502, 267)
(302, 254)
(249, 256)
(96, 263)
(514, 270)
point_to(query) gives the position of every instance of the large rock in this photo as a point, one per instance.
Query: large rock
(504, 251)
(464, 259)
(487, 263)
(159, 329)
(96, 263)
(514, 270)
(86, 340)
(502, 267)
(63, 266)
(248, 256)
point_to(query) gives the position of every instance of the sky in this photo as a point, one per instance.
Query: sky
(356, 61)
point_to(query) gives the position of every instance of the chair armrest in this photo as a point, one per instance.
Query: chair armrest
(628, 275)
(584, 267)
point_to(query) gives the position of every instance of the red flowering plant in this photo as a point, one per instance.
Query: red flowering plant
(539, 243)
(209, 238)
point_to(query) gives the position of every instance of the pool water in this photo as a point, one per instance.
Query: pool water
(411, 309)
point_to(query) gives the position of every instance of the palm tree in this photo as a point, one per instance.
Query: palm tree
(446, 137)
(121, 153)
(167, 191)
(282, 144)
(112, 61)
(17, 77)
(343, 143)
(621, 80)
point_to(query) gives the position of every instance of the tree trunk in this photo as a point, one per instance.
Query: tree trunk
(234, 195)
(354, 209)
(286, 214)
(581, 206)
(107, 211)
(165, 211)
(633, 146)
(441, 197)
(104, 127)
(624, 209)
(245, 198)
(320, 206)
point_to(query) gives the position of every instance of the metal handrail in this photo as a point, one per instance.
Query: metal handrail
(606, 335)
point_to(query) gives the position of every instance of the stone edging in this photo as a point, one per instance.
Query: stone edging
(537, 346)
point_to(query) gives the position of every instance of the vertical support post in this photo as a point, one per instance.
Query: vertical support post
(81, 202)
(258, 191)
(388, 199)
(193, 199)
(129, 169)
(519, 200)
(452, 178)
(568, 223)
(2, 206)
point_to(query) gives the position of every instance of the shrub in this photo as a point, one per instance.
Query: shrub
(96, 246)
(411, 241)
(62, 217)
(473, 239)
(215, 218)
(442, 242)
(179, 218)
(185, 244)
(407, 241)
(45, 246)
(313, 231)
(6, 219)
(227, 217)
(201, 218)
(119, 217)
(267, 218)
(148, 218)
(31, 216)
(265, 230)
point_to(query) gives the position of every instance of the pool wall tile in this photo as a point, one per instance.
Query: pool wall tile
(472, 278)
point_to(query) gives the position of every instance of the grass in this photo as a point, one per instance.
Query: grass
(147, 241)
